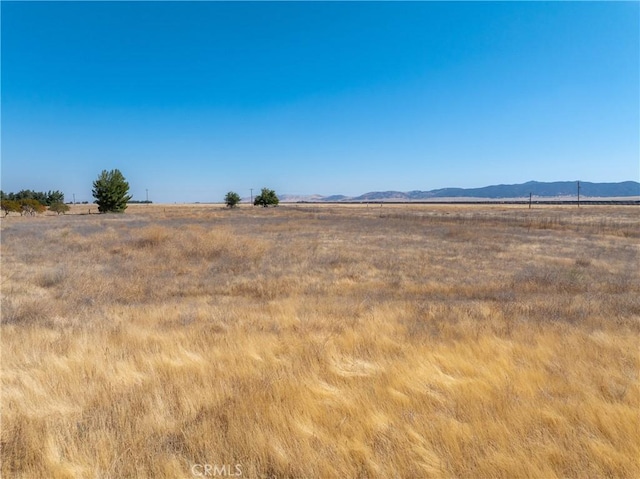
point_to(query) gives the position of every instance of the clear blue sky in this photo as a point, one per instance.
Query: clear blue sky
(191, 100)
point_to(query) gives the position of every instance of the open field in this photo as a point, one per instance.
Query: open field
(322, 341)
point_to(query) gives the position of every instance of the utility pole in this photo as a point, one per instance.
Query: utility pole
(530, 200)
(147, 190)
(578, 194)
(251, 196)
(74, 198)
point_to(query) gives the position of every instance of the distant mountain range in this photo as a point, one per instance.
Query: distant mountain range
(557, 189)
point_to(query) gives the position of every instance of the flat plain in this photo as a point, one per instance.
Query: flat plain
(333, 341)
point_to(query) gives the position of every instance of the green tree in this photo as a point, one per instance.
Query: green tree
(54, 197)
(231, 199)
(111, 192)
(266, 198)
(59, 208)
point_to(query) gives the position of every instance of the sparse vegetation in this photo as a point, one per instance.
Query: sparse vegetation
(322, 341)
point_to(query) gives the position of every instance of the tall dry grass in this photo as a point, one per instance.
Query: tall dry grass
(321, 342)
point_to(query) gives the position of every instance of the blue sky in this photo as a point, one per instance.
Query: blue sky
(191, 100)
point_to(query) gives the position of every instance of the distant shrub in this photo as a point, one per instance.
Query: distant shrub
(266, 198)
(232, 199)
(30, 207)
(9, 206)
(59, 208)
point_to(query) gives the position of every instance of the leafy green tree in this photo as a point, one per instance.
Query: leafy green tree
(111, 192)
(231, 199)
(54, 197)
(266, 198)
(9, 206)
(59, 208)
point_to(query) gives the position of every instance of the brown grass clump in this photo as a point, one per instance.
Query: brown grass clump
(318, 341)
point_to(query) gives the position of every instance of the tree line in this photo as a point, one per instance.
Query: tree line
(29, 202)
(110, 190)
(111, 193)
(46, 199)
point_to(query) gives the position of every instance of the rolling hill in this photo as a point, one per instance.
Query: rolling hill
(557, 189)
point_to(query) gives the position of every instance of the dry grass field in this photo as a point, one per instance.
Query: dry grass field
(408, 341)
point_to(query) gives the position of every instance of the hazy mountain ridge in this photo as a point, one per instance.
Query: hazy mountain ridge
(536, 188)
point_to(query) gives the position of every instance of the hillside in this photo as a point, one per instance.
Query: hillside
(536, 188)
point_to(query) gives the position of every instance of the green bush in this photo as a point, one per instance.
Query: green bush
(59, 208)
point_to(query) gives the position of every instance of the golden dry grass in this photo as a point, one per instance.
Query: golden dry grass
(322, 341)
